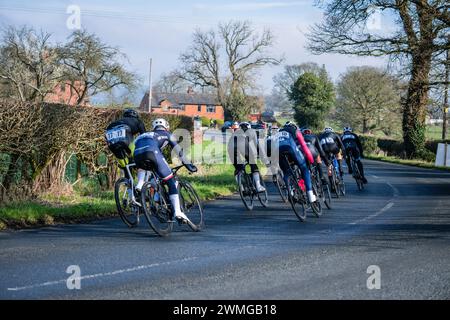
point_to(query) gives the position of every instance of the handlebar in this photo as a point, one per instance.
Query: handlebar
(175, 169)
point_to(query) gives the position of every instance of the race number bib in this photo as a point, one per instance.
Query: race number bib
(327, 140)
(116, 134)
(283, 135)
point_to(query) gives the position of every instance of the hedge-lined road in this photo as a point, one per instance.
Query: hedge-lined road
(400, 223)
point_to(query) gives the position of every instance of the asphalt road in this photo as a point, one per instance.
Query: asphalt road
(400, 223)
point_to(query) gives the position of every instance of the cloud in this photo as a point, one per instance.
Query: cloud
(248, 6)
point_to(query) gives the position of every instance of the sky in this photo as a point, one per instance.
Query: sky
(162, 29)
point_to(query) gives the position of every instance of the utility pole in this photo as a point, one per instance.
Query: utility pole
(445, 106)
(150, 88)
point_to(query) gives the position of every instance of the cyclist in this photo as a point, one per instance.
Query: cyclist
(331, 143)
(352, 144)
(312, 141)
(148, 155)
(291, 142)
(243, 144)
(120, 135)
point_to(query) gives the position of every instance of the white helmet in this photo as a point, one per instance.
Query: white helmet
(160, 122)
(328, 129)
(348, 129)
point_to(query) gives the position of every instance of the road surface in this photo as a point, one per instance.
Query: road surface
(400, 224)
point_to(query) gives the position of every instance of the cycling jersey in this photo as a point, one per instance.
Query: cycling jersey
(331, 143)
(119, 137)
(352, 141)
(243, 148)
(148, 152)
(312, 141)
(292, 145)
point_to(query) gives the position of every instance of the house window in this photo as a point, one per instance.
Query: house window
(211, 109)
(199, 108)
(182, 107)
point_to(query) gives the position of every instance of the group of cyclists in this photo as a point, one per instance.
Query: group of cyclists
(127, 138)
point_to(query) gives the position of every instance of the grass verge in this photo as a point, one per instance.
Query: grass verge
(412, 162)
(88, 203)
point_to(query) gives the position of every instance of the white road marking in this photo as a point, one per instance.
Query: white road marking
(100, 275)
(384, 209)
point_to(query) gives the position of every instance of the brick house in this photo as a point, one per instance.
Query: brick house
(187, 104)
(65, 94)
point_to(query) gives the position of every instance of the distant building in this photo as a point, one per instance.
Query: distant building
(184, 104)
(64, 93)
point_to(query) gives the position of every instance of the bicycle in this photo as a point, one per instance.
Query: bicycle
(356, 173)
(158, 209)
(278, 180)
(337, 182)
(297, 193)
(323, 189)
(125, 196)
(247, 189)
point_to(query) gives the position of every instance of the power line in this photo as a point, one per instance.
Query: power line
(110, 14)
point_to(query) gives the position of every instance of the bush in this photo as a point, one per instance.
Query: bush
(220, 123)
(391, 147)
(205, 121)
(432, 145)
(369, 144)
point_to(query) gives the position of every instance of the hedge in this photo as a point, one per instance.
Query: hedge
(395, 148)
(37, 139)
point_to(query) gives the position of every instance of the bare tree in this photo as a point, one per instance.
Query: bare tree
(93, 67)
(368, 99)
(422, 26)
(29, 64)
(227, 59)
(171, 83)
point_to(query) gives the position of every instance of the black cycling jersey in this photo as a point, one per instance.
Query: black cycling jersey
(313, 140)
(136, 125)
(351, 140)
(331, 142)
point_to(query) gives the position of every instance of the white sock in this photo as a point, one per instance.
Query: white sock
(141, 179)
(175, 200)
(257, 179)
(311, 196)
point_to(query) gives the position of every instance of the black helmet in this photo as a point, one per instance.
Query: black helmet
(290, 124)
(307, 131)
(245, 126)
(130, 113)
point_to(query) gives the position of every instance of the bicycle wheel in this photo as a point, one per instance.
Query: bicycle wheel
(296, 198)
(157, 213)
(357, 176)
(263, 197)
(191, 205)
(128, 212)
(281, 186)
(317, 205)
(245, 190)
(341, 186)
(327, 195)
(334, 184)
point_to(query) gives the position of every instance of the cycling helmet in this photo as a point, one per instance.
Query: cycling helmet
(307, 131)
(130, 113)
(290, 124)
(245, 126)
(328, 129)
(160, 123)
(348, 129)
